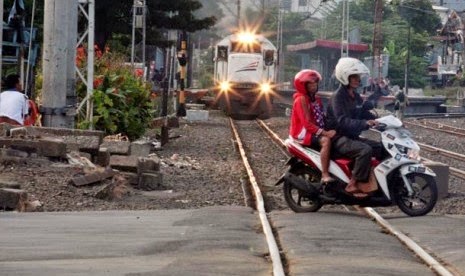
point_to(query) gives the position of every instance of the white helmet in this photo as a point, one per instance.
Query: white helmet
(347, 66)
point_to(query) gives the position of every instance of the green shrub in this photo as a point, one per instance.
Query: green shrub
(122, 102)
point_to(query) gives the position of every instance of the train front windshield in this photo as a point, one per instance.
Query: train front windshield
(240, 47)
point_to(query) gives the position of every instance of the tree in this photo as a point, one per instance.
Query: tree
(115, 17)
(204, 36)
(397, 16)
(419, 14)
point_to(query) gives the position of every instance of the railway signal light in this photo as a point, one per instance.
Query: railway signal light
(182, 59)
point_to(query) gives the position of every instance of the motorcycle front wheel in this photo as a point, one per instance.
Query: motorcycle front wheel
(299, 201)
(423, 199)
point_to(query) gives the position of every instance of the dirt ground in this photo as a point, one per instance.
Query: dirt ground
(199, 167)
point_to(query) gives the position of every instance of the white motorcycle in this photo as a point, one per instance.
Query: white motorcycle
(401, 178)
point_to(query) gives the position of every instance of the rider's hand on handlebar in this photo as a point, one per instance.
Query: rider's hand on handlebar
(372, 123)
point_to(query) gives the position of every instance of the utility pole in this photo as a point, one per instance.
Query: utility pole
(279, 42)
(139, 12)
(377, 37)
(1, 42)
(407, 62)
(167, 83)
(71, 98)
(263, 10)
(238, 14)
(345, 29)
(87, 11)
(57, 14)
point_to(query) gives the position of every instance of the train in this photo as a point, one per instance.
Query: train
(245, 69)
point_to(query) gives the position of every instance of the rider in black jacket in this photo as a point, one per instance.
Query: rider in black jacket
(349, 116)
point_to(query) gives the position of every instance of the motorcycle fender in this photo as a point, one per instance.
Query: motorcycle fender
(289, 162)
(381, 171)
(414, 168)
(418, 168)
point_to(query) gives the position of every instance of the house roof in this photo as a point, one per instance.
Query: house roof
(326, 44)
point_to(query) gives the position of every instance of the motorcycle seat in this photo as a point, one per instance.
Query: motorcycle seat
(347, 161)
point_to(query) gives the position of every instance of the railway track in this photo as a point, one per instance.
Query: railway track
(432, 262)
(447, 154)
(435, 126)
(460, 157)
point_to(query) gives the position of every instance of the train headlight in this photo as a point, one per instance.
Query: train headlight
(265, 88)
(224, 86)
(246, 37)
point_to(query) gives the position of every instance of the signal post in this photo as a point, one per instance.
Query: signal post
(182, 59)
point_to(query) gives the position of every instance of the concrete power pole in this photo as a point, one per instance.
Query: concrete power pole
(238, 14)
(377, 38)
(1, 39)
(71, 97)
(139, 10)
(345, 29)
(57, 53)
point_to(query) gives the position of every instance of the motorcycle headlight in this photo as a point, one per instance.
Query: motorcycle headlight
(413, 154)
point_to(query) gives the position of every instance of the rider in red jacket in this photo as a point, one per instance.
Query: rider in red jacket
(307, 119)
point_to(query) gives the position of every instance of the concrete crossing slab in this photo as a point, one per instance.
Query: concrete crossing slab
(207, 241)
(341, 243)
(443, 235)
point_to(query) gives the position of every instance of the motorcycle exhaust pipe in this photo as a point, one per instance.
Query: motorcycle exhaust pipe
(300, 183)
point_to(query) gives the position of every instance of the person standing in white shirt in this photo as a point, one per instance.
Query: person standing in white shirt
(13, 103)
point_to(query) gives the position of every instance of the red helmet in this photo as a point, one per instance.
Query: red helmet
(305, 76)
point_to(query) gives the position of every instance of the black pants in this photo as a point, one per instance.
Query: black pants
(361, 151)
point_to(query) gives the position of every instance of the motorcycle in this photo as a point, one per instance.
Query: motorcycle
(401, 178)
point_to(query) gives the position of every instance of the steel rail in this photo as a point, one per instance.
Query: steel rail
(418, 250)
(278, 269)
(436, 129)
(444, 152)
(442, 126)
(409, 243)
(456, 172)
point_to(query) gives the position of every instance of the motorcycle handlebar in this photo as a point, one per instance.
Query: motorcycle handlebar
(380, 127)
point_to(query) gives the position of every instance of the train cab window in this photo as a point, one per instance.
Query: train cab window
(269, 57)
(222, 53)
(239, 47)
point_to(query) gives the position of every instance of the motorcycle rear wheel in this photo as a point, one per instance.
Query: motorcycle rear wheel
(423, 199)
(299, 201)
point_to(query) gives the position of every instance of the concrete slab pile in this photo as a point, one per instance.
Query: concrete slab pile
(129, 162)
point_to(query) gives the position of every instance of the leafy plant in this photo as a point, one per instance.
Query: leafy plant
(122, 101)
